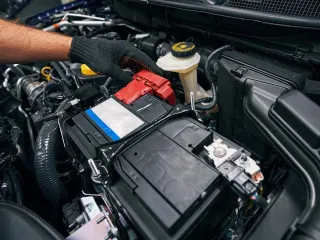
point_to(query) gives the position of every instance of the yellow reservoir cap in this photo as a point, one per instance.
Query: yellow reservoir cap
(85, 70)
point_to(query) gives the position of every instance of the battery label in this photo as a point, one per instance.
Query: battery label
(114, 119)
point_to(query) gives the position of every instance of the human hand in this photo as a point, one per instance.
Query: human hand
(111, 57)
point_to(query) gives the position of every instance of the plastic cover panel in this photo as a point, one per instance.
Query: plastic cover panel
(306, 8)
(179, 176)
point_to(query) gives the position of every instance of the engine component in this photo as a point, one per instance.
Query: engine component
(8, 103)
(10, 152)
(233, 121)
(34, 90)
(219, 153)
(161, 182)
(89, 131)
(81, 213)
(86, 76)
(150, 186)
(149, 45)
(47, 148)
(6, 144)
(154, 169)
(184, 60)
(98, 228)
(146, 82)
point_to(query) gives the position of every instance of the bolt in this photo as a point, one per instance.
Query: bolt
(243, 158)
(94, 169)
(101, 219)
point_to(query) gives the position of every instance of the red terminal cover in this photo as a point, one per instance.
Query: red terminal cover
(145, 82)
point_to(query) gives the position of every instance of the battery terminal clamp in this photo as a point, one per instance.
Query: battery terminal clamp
(146, 82)
(239, 169)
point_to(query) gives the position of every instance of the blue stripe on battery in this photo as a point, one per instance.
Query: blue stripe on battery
(102, 125)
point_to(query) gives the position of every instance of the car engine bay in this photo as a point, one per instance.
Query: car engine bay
(223, 146)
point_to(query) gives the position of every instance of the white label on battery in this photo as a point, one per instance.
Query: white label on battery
(114, 119)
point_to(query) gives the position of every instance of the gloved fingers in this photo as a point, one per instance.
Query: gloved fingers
(137, 61)
(119, 74)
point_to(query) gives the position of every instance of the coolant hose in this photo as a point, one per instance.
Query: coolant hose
(210, 78)
(47, 149)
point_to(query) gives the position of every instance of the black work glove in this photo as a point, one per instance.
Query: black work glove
(111, 57)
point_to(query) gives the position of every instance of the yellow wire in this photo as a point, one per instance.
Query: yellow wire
(249, 207)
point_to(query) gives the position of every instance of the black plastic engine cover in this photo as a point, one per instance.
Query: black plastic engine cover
(237, 69)
(166, 189)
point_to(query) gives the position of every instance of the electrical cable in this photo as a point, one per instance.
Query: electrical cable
(104, 88)
(260, 201)
(53, 77)
(66, 69)
(202, 100)
(61, 74)
(211, 79)
(96, 32)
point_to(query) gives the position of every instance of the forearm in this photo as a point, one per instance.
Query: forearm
(21, 44)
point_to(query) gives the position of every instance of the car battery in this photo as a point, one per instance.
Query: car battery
(112, 120)
(167, 190)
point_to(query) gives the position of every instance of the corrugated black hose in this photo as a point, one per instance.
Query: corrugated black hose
(47, 150)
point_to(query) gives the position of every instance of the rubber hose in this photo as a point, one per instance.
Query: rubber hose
(210, 79)
(16, 70)
(61, 73)
(65, 68)
(48, 146)
(26, 67)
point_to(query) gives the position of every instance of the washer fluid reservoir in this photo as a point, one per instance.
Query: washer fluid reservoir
(184, 60)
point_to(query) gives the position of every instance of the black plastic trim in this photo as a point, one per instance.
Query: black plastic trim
(255, 16)
(305, 164)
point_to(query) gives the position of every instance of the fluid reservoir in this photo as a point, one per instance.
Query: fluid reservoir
(184, 60)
